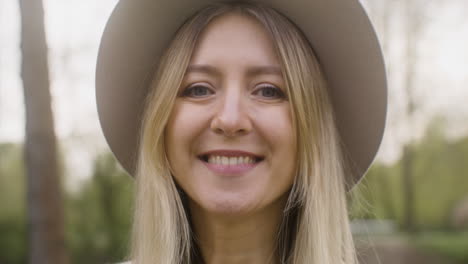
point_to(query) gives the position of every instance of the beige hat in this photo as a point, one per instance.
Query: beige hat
(339, 31)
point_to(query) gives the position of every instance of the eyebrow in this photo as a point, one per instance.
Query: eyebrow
(253, 70)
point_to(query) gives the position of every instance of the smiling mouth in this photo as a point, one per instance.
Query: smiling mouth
(204, 158)
(233, 168)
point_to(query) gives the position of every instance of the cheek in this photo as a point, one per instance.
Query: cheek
(280, 136)
(277, 128)
(184, 125)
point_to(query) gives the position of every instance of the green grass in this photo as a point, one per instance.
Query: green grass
(450, 244)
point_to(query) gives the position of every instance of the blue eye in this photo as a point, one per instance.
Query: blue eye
(270, 91)
(196, 91)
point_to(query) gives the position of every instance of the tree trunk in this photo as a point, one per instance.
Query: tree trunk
(45, 212)
(414, 11)
(384, 10)
(408, 190)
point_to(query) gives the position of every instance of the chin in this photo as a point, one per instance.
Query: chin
(228, 204)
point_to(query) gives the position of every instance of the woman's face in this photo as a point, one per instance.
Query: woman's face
(230, 139)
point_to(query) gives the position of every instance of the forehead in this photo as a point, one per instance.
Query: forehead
(237, 38)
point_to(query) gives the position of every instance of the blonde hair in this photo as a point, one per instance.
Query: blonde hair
(315, 226)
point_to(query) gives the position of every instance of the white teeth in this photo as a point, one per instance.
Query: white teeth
(230, 160)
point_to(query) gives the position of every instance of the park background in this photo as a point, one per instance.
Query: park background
(411, 208)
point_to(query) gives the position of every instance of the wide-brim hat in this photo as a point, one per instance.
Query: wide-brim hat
(138, 31)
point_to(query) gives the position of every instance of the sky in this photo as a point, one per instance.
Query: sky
(74, 27)
(441, 74)
(73, 30)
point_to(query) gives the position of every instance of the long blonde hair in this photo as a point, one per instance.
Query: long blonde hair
(315, 226)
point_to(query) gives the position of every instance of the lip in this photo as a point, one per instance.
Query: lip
(230, 153)
(230, 170)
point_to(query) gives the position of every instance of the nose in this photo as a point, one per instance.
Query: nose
(231, 116)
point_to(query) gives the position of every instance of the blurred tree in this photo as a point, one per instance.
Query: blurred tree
(440, 174)
(12, 207)
(45, 216)
(414, 11)
(383, 13)
(99, 216)
(411, 27)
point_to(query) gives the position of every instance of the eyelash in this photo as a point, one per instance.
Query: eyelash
(187, 91)
(279, 92)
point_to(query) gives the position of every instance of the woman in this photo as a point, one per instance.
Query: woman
(244, 145)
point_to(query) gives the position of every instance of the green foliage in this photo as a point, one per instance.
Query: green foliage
(99, 216)
(440, 173)
(374, 196)
(12, 205)
(450, 244)
(12, 180)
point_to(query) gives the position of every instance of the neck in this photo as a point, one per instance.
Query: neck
(249, 238)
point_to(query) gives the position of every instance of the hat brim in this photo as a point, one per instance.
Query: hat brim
(138, 31)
